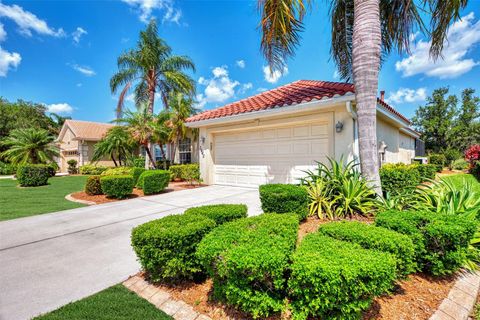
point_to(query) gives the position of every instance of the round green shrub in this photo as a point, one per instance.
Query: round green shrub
(33, 175)
(220, 213)
(399, 178)
(93, 186)
(117, 186)
(117, 171)
(90, 169)
(284, 198)
(166, 247)
(437, 159)
(153, 181)
(72, 166)
(52, 169)
(136, 173)
(460, 164)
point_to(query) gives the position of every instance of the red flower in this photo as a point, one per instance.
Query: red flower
(473, 154)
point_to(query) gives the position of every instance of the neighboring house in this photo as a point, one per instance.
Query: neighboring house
(273, 137)
(77, 141)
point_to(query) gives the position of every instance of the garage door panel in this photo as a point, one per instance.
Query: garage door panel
(273, 155)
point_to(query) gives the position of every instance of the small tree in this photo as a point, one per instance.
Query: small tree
(72, 166)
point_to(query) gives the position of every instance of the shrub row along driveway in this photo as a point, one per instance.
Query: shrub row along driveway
(52, 259)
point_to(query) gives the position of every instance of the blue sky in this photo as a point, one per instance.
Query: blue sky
(63, 53)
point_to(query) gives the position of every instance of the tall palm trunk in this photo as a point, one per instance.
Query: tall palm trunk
(366, 64)
(149, 154)
(151, 102)
(113, 159)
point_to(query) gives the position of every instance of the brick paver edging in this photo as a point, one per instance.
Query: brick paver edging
(161, 299)
(461, 299)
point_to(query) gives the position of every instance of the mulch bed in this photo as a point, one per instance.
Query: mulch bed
(415, 298)
(98, 199)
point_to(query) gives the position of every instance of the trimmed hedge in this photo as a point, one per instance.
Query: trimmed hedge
(7, 168)
(89, 169)
(441, 241)
(117, 171)
(186, 172)
(248, 260)
(52, 169)
(33, 175)
(333, 279)
(220, 213)
(284, 198)
(136, 173)
(426, 171)
(437, 159)
(117, 186)
(378, 238)
(93, 186)
(399, 178)
(153, 181)
(166, 247)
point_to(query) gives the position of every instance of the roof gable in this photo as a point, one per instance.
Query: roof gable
(85, 130)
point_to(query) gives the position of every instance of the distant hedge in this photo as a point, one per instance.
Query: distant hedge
(33, 175)
(90, 169)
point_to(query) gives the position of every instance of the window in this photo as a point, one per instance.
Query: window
(70, 153)
(185, 150)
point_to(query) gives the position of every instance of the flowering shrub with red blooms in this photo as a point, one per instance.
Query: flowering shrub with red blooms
(473, 154)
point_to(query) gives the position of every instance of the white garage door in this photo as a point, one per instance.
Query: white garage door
(271, 155)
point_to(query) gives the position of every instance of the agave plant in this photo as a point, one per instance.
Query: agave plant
(354, 197)
(320, 199)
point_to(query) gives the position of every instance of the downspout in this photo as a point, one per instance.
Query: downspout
(353, 114)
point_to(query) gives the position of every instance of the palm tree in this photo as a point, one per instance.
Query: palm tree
(364, 32)
(29, 146)
(153, 68)
(162, 131)
(118, 142)
(139, 126)
(181, 108)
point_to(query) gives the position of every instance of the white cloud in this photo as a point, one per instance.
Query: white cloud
(240, 63)
(59, 108)
(336, 75)
(8, 60)
(3, 33)
(146, 8)
(77, 34)
(84, 70)
(462, 36)
(274, 76)
(262, 89)
(28, 22)
(245, 87)
(407, 95)
(218, 89)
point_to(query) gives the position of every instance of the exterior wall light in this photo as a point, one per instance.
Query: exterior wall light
(339, 127)
(202, 139)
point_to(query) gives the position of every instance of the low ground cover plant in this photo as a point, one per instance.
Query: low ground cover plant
(248, 260)
(33, 175)
(378, 238)
(93, 186)
(284, 198)
(441, 240)
(153, 181)
(333, 279)
(166, 247)
(90, 169)
(185, 172)
(220, 213)
(117, 186)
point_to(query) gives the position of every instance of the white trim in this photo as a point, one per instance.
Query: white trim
(382, 110)
(294, 108)
(409, 132)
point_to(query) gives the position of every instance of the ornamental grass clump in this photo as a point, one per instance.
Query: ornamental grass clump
(248, 260)
(333, 279)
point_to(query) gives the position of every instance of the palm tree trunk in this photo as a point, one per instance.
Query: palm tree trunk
(366, 64)
(113, 159)
(147, 149)
(164, 157)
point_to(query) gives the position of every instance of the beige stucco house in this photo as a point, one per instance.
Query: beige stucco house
(77, 141)
(274, 136)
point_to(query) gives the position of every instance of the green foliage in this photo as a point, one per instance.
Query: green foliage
(338, 190)
(138, 162)
(32, 175)
(284, 198)
(117, 143)
(117, 171)
(117, 186)
(426, 171)
(7, 168)
(248, 260)
(185, 172)
(333, 279)
(166, 247)
(136, 173)
(378, 238)
(72, 166)
(437, 159)
(93, 186)
(399, 178)
(52, 168)
(475, 169)
(460, 164)
(153, 181)
(220, 213)
(441, 241)
(92, 169)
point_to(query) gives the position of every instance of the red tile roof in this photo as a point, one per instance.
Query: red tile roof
(293, 93)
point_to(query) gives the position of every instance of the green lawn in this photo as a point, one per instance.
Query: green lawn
(459, 179)
(114, 303)
(16, 202)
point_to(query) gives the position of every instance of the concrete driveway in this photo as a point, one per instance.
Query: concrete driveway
(49, 260)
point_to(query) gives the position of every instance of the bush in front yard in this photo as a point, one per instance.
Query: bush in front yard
(90, 169)
(333, 279)
(426, 171)
(186, 172)
(153, 181)
(72, 166)
(378, 238)
(33, 175)
(248, 260)
(441, 241)
(93, 186)
(220, 213)
(284, 198)
(166, 247)
(399, 178)
(437, 159)
(117, 186)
